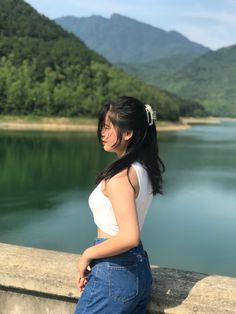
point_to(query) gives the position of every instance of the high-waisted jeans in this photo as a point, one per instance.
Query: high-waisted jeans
(117, 284)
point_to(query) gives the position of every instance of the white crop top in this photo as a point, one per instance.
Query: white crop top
(103, 212)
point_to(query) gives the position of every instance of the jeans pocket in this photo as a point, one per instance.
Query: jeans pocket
(123, 282)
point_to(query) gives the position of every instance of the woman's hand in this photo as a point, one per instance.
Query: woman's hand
(83, 270)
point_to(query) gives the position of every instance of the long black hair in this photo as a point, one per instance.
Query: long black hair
(129, 114)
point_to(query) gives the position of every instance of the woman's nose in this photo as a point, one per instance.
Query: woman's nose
(103, 134)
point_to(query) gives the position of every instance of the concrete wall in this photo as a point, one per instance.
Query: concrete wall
(35, 281)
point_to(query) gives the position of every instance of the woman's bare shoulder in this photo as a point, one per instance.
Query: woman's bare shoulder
(123, 179)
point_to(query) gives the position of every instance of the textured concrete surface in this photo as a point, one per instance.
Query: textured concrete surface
(35, 281)
(185, 292)
(20, 303)
(38, 270)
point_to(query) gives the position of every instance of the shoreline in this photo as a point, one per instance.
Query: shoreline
(203, 120)
(89, 125)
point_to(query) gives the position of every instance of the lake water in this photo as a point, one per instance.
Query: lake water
(46, 178)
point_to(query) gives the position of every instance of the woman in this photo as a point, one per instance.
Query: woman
(114, 274)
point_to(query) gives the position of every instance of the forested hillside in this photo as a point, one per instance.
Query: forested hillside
(46, 71)
(164, 59)
(159, 72)
(124, 40)
(210, 79)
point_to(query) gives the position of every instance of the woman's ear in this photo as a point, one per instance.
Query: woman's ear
(128, 135)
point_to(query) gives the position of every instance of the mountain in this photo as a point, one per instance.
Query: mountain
(124, 40)
(164, 59)
(45, 70)
(211, 80)
(159, 72)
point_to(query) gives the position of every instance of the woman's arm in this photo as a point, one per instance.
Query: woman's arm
(122, 197)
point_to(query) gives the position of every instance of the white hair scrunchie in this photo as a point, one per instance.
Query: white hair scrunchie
(151, 115)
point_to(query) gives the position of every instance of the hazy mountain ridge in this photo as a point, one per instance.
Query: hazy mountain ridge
(159, 72)
(46, 71)
(164, 59)
(210, 79)
(124, 40)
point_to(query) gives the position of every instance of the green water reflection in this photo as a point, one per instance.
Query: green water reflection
(46, 178)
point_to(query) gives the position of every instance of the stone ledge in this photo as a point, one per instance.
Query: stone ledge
(37, 281)
(38, 270)
(184, 292)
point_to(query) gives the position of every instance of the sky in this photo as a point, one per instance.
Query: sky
(208, 22)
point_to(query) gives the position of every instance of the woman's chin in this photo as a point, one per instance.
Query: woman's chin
(108, 149)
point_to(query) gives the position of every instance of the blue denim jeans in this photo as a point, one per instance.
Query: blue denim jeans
(117, 284)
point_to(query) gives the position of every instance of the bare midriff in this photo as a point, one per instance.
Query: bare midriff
(102, 234)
